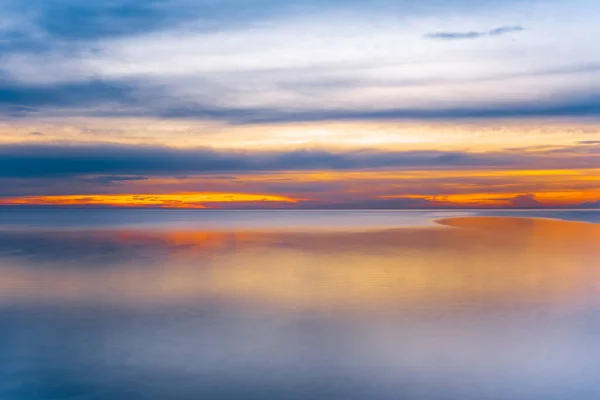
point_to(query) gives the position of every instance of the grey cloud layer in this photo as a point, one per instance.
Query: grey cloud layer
(48, 161)
(502, 30)
(134, 99)
(24, 161)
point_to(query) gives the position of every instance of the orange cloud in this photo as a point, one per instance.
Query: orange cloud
(493, 188)
(508, 200)
(173, 200)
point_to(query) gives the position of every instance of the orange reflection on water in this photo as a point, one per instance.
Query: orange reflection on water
(477, 262)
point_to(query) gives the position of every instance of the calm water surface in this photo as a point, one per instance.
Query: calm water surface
(101, 304)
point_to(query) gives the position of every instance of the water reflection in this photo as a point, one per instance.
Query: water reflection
(497, 261)
(480, 308)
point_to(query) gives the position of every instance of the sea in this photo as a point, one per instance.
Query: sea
(132, 304)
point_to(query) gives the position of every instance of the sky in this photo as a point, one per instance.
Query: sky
(300, 104)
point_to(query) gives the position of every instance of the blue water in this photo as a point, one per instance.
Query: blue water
(332, 305)
(57, 218)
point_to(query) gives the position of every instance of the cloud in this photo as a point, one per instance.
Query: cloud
(132, 98)
(35, 134)
(455, 35)
(38, 21)
(505, 29)
(524, 201)
(352, 179)
(72, 20)
(590, 204)
(110, 179)
(589, 142)
(36, 161)
(72, 95)
(249, 61)
(502, 30)
(370, 204)
(263, 60)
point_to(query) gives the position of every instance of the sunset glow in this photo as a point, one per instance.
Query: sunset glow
(179, 200)
(312, 106)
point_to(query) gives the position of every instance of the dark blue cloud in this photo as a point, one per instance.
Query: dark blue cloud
(586, 105)
(582, 107)
(134, 98)
(110, 179)
(590, 204)
(505, 29)
(38, 161)
(501, 30)
(73, 20)
(120, 162)
(77, 94)
(455, 35)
